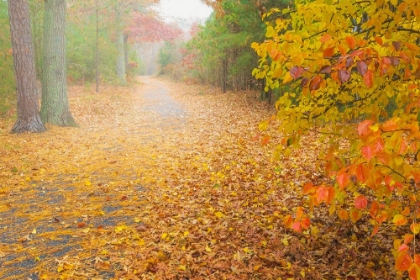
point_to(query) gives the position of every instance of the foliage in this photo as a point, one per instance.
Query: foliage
(352, 61)
(7, 86)
(221, 48)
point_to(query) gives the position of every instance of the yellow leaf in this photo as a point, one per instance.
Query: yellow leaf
(399, 220)
(270, 32)
(208, 249)
(86, 230)
(219, 215)
(164, 235)
(182, 267)
(186, 233)
(263, 125)
(119, 229)
(44, 277)
(287, 78)
(88, 183)
(137, 220)
(34, 231)
(141, 242)
(375, 127)
(247, 250)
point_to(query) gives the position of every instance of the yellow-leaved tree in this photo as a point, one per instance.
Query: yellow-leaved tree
(351, 70)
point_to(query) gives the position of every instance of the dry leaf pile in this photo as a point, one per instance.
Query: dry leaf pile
(166, 181)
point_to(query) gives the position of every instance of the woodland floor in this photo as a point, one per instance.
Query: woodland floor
(167, 181)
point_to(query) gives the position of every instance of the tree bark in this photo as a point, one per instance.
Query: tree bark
(23, 58)
(55, 105)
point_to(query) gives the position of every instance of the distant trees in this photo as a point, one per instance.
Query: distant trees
(221, 49)
(28, 119)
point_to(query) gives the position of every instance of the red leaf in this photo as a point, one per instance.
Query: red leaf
(360, 202)
(315, 83)
(403, 247)
(397, 45)
(326, 69)
(296, 227)
(296, 72)
(367, 152)
(363, 128)
(304, 82)
(344, 75)
(349, 61)
(362, 67)
(368, 79)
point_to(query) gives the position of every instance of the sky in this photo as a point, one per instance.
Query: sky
(185, 9)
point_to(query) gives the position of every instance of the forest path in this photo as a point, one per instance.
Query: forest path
(161, 181)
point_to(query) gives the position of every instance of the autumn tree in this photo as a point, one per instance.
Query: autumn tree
(221, 47)
(55, 106)
(349, 62)
(24, 65)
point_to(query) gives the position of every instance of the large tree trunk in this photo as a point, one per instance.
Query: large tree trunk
(24, 64)
(121, 71)
(55, 105)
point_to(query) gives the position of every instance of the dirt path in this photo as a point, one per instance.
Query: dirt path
(57, 186)
(166, 181)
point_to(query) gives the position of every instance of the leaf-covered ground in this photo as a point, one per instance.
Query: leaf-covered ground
(168, 181)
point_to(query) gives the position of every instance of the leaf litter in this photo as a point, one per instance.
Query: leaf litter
(169, 181)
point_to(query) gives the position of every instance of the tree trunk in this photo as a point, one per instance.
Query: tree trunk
(121, 71)
(55, 105)
(24, 64)
(97, 47)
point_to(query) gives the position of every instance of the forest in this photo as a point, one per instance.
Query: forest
(272, 140)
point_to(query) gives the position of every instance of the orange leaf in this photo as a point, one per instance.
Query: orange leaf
(305, 223)
(360, 202)
(288, 221)
(322, 194)
(325, 38)
(414, 272)
(265, 140)
(379, 40)
(351, 42)
(399, 220)
(362, 173)
(403, 261)
(329, 52)
(367, 152)
(343, 179)
(364, 127)
(308, 188)
(355, 215)
(343, 214)
(375, 230)
(299, 213)
(368, 79)
(408, 238)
